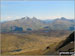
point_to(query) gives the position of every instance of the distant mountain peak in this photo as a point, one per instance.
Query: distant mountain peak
(25, 17)
(34, 18)
(63, 18)
(36, 24)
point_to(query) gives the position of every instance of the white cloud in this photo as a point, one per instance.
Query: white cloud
(54, 17)
(8, 18)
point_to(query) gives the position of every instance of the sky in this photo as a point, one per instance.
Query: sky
(11, 10)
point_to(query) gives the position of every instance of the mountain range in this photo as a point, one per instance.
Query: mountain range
(30, 24)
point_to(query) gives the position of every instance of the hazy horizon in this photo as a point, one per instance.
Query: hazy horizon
(12, 10)
(36, 18)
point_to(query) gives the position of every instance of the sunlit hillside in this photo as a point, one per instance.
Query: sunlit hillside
(22, 43)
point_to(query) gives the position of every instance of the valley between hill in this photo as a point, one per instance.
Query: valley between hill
(29, 44)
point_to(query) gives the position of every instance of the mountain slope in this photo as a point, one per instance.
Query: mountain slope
(66, 45)
(27, 24)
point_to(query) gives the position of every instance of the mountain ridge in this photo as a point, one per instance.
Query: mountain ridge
(27, 24)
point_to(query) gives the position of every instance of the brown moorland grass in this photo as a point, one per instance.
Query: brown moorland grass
(29, 44)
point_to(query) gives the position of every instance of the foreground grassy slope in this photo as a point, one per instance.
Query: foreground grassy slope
(27, 44)
(66, 45)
